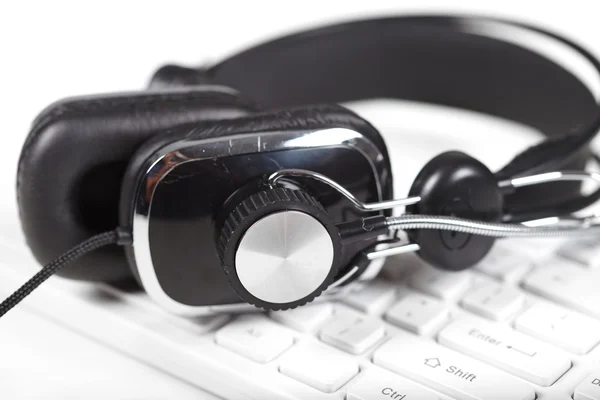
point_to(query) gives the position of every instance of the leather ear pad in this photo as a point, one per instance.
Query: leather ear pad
(72, 163)
(298, 118)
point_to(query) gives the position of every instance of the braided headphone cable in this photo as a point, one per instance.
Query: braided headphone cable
(117, 236)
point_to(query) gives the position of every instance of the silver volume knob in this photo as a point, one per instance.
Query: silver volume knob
(279, 248)
(284, 257)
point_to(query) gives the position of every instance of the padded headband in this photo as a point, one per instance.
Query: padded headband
(446, 61)
(471, 63)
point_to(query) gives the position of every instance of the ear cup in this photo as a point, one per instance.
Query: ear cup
(298, 118)
(455, 184)
(72, 163)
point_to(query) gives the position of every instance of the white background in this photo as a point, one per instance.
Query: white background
(54, 49)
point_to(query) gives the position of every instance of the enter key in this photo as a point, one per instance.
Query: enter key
(511, 351)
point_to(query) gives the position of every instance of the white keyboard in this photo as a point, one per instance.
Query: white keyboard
(524, 324)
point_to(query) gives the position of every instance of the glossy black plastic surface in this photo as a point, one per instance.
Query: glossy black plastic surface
(186, 208)
(455, 184)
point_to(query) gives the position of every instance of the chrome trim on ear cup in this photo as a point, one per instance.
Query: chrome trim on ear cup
(174, 154)
(367, 207)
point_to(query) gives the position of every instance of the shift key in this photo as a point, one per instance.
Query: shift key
(449, 372)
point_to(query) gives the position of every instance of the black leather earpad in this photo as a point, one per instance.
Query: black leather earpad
(297, 118)
(72, 163)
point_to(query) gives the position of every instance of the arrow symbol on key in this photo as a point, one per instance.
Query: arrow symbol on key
(521, 351)
(433, 362)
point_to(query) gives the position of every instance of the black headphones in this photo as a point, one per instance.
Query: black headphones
(246, 183)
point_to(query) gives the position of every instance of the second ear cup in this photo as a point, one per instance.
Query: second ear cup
(72, 164)
(455, 184)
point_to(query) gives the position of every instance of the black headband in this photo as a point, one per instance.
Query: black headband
(461, 62)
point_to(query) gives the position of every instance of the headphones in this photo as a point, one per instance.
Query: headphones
(246, 184)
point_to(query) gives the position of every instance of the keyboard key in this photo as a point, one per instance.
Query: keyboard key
(589, 389)
(373, 298)
(505, 264)
(493, 301)
(255, 337)
(379, 384)
(306, 318)
(540, 248)
(449, 372)
(511, 351)
(584, 250)
(418, 313)
(441, 284)
(322, 368)
(571, 331)
(399, 268)
(352, 332)
(568, 284)
(478, 280)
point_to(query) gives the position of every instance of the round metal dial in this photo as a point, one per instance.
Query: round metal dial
(279, 248)
(284, 257)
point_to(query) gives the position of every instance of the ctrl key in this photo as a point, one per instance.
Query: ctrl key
(378, 384)
(589, 389)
